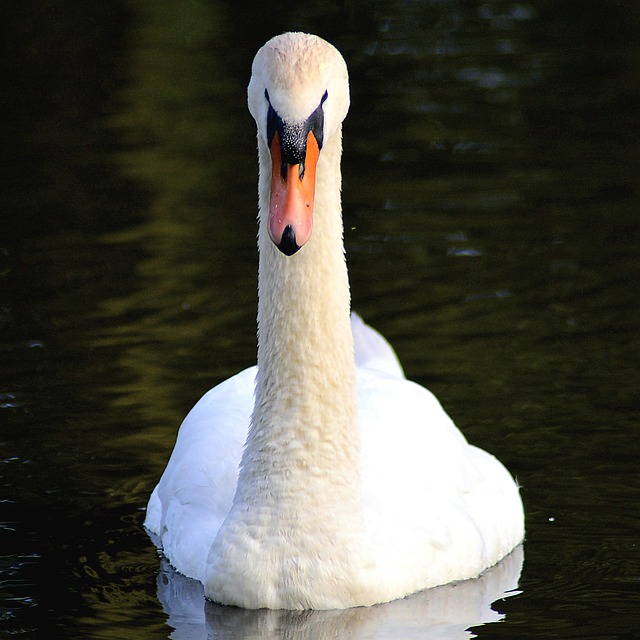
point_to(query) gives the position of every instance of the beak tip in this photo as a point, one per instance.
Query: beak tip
(288, 243)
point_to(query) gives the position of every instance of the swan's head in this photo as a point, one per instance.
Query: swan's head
(298, 95)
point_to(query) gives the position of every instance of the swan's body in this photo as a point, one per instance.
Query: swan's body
(354, 486)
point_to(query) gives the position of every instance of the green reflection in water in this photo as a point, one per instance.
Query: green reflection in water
(195, 270)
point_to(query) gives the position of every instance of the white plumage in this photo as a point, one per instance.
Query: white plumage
(355, 487)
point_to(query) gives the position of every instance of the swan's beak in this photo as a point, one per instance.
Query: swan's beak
(293, 189)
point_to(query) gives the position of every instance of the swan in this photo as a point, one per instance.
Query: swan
(321, 478)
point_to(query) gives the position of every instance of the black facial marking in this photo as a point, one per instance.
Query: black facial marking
(293, 137)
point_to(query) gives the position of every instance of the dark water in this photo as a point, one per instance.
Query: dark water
(491, 197)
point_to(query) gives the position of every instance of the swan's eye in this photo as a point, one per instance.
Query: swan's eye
(315, 122)
(274, 122)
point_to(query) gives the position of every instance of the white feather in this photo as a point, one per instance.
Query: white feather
(355, 487)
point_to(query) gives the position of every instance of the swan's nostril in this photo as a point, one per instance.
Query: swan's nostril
(288, 244)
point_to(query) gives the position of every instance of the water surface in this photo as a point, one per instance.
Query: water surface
(490, 201)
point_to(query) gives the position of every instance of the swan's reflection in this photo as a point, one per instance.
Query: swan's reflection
(444, 612)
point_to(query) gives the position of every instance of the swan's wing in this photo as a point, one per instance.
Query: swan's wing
(436, 504)
(413, 456)
(196, 489)
(372, 351)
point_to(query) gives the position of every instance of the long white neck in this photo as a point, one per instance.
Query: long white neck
(297, 521)
(303, 439)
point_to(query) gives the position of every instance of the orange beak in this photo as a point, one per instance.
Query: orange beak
(292, 196)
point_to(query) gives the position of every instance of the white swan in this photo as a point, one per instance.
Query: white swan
(354, 487)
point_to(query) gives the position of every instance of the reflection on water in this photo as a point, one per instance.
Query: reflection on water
(179, 136)
(491, 202)
(443, 612)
